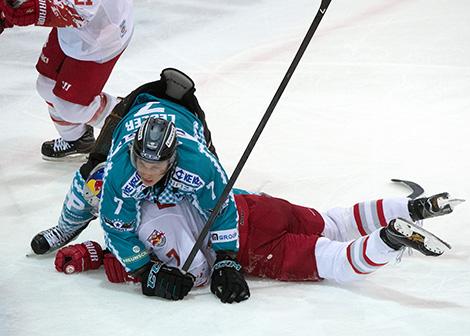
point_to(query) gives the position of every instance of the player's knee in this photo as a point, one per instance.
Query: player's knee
(44, 87)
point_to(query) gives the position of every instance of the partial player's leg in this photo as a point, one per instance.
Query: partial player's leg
(349, 261)
(74, 218)
(73, 91)
(277, 238)
(343, 224)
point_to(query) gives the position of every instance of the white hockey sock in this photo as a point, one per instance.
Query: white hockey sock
(349, 261)
(344, 224)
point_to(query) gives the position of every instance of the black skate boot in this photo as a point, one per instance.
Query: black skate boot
(436, 205)
(59, 149)
(401, 233)
(51, 239)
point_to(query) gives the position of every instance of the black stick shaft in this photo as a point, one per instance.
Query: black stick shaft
(311, 31)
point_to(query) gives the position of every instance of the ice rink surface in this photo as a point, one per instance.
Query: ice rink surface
(382, 92)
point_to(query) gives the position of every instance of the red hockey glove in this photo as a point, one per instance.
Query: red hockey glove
(48, 13)
(4, 23)
(79, 257)
(24, 14)
(115, 271)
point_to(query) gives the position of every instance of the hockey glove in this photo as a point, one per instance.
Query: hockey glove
(48, 13)
(114, 270)
(166, 282)
(228, 282)
(79, 257)
(4, 23)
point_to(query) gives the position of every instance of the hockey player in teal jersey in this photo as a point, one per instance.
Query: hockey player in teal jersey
(159, 153)
(191, 171)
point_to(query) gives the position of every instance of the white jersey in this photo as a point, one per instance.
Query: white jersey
(170, 233)
(108, 27)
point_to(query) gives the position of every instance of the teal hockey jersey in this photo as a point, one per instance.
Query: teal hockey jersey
(197, 176)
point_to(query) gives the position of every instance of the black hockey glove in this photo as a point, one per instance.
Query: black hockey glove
(165, 281)
(228, 282)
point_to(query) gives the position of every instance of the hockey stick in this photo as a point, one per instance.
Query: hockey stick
(416, 189)
(205, 230)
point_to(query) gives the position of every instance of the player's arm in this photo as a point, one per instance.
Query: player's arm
(119, 218)
(227, 281)
(48, 13)
(224, 231)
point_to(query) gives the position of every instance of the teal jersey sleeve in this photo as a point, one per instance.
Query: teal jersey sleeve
(201, 172)
(120, 213)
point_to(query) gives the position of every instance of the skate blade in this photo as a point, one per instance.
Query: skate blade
(31, 254)
(452, 203)
(77, 157)
(430, 241)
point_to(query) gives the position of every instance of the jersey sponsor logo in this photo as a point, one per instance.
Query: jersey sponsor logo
(186, 180)
(119, 225)
(157, 238)
(83, 2)
(224, 236)
(133, 186)
(135, 258)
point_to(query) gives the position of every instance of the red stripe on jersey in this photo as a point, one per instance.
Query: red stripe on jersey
(380, 212)
(349, 256)
(62, 122)
(357, 217)
(370, 262)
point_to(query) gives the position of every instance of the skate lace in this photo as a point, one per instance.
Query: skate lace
(55, 236)
(61, 145)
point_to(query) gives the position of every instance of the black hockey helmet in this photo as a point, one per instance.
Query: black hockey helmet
(155, 141)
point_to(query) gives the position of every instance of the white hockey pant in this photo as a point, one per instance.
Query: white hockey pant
(69, 118)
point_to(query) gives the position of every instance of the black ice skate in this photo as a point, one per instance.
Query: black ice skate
(436, 205)
(59, 149)
(51, 239)
(401, 233)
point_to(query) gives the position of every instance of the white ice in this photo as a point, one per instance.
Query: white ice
(383, 91)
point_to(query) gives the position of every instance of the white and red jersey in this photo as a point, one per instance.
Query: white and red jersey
(101, 31)
(170, 231)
